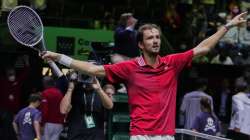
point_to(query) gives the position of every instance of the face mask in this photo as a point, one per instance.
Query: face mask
(235, 11)
(12, 78)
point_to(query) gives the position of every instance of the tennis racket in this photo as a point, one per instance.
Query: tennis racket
(26, 27)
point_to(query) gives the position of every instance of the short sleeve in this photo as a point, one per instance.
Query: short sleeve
(117, 73)
(180, 60)
(37, 116)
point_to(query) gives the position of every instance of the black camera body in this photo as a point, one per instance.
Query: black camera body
(80, 78)
(85, 79)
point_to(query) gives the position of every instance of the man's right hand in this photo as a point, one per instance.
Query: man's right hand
(48, 55)
(237, 20)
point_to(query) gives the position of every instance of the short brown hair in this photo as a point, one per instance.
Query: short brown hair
(35, 97)
(148, 26)
(206, 104)
(123, 18)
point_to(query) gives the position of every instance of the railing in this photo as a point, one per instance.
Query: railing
(184, 134)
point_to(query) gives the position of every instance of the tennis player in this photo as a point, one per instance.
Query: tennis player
(151, 80)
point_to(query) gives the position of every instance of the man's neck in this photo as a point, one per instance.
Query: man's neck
(32, 106)
(151, 60)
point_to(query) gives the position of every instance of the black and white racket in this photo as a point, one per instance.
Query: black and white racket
(26, 27)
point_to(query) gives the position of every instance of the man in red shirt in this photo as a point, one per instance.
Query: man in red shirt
(151, 80)
(50, 108)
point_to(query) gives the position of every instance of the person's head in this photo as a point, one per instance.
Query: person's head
(87, 82)
(10, 74)
(241, 85)
(127, 19)
(149, 39)
(35, 99)
(205, 105)
(109, 89)
(233, 8)
(48, 82)
(201, 84)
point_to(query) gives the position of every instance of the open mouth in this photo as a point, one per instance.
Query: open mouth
(155, 46)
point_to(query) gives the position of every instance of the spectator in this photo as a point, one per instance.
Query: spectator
(190, 106)
(244, 44)
(11, 86)
(239, 124)
(244, 34)
(222, 57)
(244, 78)
(230, 41)
(125, 39)
(52, 119)
(206, 121)
(85, 104)
(27, 121)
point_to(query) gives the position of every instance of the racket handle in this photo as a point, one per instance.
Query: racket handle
(55, 68)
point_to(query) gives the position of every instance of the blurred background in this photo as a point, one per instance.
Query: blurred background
(84, 29)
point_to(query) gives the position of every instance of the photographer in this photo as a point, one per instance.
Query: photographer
(85, 103)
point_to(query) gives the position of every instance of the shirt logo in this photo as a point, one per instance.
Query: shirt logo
(27, 118)
(166, 67)
(210, 125)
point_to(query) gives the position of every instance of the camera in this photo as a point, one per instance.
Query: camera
(85, 79)
(80, 78)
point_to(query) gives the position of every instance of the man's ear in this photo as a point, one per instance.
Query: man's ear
(140, 45)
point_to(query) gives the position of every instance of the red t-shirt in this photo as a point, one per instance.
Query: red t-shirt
(50, 106)
(151, 91)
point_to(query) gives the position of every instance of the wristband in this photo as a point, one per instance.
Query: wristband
(228, 26)
(65, 60)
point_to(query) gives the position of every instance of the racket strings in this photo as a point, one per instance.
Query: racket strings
(25, 26)
(23, 29)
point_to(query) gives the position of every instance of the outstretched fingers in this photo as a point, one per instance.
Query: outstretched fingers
(241, 15)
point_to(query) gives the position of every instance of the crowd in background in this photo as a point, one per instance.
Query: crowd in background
(184, 24)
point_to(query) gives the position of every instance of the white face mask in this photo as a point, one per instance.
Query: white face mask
(12, 78)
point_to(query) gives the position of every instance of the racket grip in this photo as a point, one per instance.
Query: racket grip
(55, 68)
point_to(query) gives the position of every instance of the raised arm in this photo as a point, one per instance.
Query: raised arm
(65, 105)
(205, 46)
(105, 98)
(82, 66)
